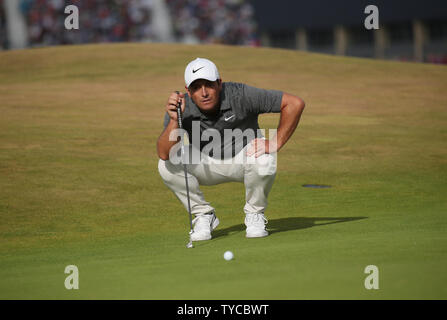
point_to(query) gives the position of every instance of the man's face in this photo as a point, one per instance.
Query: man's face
(205, 94)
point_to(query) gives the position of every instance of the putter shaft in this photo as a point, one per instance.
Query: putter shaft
(179, 117)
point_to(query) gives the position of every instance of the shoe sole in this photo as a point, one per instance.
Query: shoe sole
(257, 236)
(214, 226)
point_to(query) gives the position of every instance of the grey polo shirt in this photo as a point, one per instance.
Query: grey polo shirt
(236, 122)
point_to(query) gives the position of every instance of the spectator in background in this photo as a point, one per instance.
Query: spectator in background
(100, 21)
(214, 21)
(205, 21)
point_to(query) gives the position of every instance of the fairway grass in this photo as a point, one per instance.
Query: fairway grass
(80, 186)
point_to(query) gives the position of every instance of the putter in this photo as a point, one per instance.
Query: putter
(179, 117)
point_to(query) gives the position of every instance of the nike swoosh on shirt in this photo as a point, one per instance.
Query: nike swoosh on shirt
(194, 71)
(231, 117)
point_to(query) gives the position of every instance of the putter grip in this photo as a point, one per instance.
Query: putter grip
(179, 113)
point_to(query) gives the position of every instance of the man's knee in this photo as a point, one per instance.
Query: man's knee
(162, 169)
(169, 171)
(166, 170)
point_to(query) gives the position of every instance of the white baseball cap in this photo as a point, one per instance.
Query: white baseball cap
(200, 69)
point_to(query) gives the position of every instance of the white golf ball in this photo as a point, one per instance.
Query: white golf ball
(228, 255)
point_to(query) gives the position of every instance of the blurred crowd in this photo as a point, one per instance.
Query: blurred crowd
(196, 21)
(99, 21)
(214, 21)
(3, 42)
(437, 58)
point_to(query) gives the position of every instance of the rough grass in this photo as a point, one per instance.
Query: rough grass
(79, 182)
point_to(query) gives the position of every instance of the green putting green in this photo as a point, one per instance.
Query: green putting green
(80, 186)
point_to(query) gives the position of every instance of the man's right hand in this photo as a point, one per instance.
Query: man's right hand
(164, 145)
(171, 105)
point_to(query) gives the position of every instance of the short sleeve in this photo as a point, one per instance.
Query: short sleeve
(261, 100)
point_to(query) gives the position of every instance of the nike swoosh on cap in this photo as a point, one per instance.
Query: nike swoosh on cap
(194, 71)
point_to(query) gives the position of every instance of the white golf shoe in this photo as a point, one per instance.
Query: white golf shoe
(255, 223)
(203, 226)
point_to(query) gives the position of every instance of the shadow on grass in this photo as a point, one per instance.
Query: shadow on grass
(287, 224)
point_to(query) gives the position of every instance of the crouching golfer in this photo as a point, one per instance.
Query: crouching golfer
(225, 143)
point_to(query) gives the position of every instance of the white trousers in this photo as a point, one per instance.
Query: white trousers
(257, 174)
